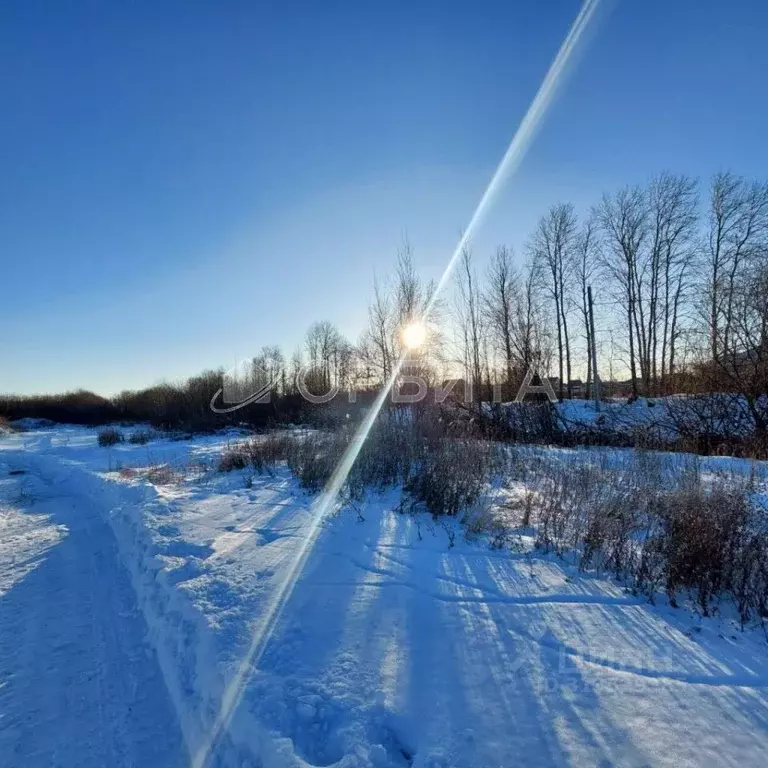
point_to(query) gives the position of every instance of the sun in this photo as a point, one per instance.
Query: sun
(414, 334)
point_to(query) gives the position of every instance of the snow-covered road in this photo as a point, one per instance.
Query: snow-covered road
(79, 684)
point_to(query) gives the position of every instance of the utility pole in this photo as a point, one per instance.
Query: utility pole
(593, 351)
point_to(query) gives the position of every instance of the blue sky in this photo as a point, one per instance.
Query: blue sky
(182, 183)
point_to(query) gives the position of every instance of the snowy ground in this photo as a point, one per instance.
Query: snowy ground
(126, 607)
(663, 418)
(79, 684)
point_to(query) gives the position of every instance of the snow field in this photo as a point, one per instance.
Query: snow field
(395, 648)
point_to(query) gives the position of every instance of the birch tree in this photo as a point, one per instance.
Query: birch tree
(623, 219)
(551, 249)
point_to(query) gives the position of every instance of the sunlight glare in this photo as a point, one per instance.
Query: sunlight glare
(414, 335)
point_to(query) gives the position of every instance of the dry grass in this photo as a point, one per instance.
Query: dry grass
(656, 530)
(5, 425)
(653, 527)
(141, 437)
(109, 436)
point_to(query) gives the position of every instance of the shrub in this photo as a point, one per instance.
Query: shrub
(233, 457)
(450, 464)
(658, 531)
(439, 462)
(163, 474)
(314, 458)
(449, 474)
(141, 437)
(263, 453)
(109, 436)
(704, 540)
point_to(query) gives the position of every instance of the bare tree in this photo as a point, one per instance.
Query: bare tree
(269, 367)
(736, 295)
(324, 343)
(378, 341)
(409, 293)
(672, 203)
(531, 339)
(296, 366)
(411, 298)
(471, 325)
(391, 310)
(623, 218)
(586, 250)
(738, 222)
(500, 298)
(551, 248)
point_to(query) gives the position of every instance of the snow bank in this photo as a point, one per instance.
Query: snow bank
(178, 631)
(663, 418)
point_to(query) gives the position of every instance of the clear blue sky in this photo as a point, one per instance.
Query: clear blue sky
(181, 183)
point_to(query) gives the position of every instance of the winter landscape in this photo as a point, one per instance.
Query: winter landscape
(383, 385)
(407, 639)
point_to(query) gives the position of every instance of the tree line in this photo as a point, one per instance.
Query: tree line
(680, 286)
(679, 271)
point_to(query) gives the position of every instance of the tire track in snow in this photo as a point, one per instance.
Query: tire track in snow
(81, 686)
(395, 579)
(672, 676)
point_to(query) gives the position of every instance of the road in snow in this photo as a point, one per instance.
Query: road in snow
(79, 684)
(395, 649)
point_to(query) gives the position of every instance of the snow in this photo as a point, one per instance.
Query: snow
(664, 418)
(79, 685)
(127, 606)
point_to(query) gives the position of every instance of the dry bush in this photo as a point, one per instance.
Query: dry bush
(659, 527)
(164, 474)
(234, 457)
(528, 422)
(713, 542)
(109, 436)
(593, 503)
(755, 446)
(262, 453)
(266, 452)
(441, 464)
(314, 457)
(449, 474)
(386, 457)
(141, 437)
(486, 519)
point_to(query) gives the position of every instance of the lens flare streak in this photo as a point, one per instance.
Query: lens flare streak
(328, 498)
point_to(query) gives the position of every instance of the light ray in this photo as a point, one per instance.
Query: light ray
(327, 500)
(522, 138)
